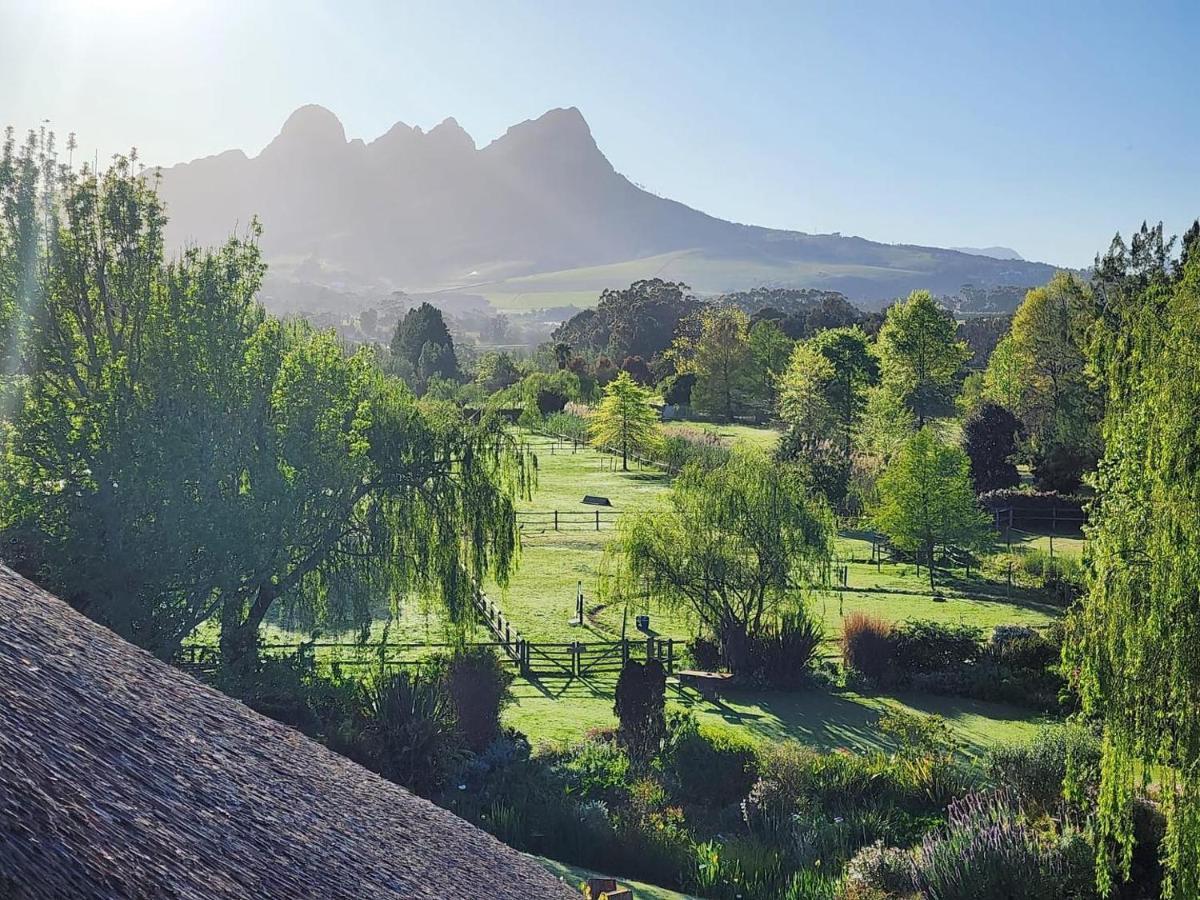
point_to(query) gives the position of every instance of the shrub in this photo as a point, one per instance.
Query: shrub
(713, 766)
(641, 707)
(478, 686)
(884, 869)
(568, 424)
(405, 731)
(783, 656)
(922, 647)
(596, 769)
(1034, 772)
(685, 445)
(867, 645)
(986, 851)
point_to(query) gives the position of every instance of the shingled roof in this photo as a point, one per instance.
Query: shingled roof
(123, 777)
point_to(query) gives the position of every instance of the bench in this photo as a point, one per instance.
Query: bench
(709, 684)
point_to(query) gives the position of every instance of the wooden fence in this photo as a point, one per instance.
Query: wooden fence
(566, 519)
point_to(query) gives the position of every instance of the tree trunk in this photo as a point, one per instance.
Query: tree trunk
(239, 634)
(932, 588)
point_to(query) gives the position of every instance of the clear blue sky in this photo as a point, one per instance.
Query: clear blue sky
(1043, 126)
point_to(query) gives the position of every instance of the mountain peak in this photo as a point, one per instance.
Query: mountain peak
(450, 134)
(312, 126)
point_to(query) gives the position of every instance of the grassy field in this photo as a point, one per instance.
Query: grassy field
(707, 272)
(764, 438)
(539, 600)
(560, 710)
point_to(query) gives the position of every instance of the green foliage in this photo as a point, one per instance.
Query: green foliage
(626, 420)
(720, 357)
(683, 446)
(1038, 371)
(926, 502)
(921, 354)
(1133, 643)
(597, 768)
(181, 456)
(734, 546)
(854, 369)
(933, 646)
(990, 442)
(568, 425)
(639, 320)
(497, 371)
(423, 349)
(640, 707)
(770, 349)
(405, 731)
(782, 655)
(987, 852)
(887, 423)
(712, 765)
(477, 683)
(1036, 772)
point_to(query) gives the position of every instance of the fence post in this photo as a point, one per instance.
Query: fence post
(597, 520)
(556, 520)
(624, 650)
(649, 649)
(670, 656)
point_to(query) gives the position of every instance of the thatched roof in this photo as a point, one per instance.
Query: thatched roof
(123, 777)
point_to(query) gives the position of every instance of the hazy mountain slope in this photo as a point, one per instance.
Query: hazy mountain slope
(994, 252)
(421, 210)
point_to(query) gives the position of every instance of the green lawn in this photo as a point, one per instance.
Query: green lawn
(575, 876)
(560, 710)
(766, 438)
(539, 600)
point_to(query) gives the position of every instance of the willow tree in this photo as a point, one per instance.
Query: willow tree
(179, 456)
(735, 546)
(1135, 647)
(626, 420)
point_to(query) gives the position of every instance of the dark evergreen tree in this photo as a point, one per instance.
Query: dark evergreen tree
(422, 347)
(990, 440)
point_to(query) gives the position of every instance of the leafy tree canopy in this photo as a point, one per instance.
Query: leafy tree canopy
(1134, 641)
(921, 354)
(736, 546)
(926, 502)
(639, 320)
(180, 456)
(422, 348)
(626, 420)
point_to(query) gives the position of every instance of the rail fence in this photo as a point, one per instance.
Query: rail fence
(566, 519)
(532, 659)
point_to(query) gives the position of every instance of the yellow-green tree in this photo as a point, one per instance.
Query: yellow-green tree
(1038, 372)
(626, 420)
(926, 502)
(720, 356)
(921, 353)
(1134, 641)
